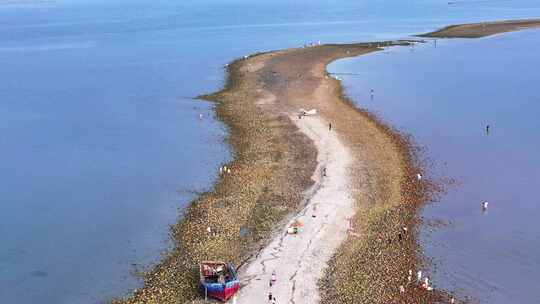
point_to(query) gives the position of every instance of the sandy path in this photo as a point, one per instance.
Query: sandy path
(299, 260)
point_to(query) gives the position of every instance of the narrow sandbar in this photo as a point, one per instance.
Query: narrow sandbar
(483, 29)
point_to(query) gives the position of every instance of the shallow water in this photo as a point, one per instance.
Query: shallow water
(100, 138)
(445, 95)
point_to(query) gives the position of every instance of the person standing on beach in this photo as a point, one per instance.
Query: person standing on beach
(273, 278)
(330, 126)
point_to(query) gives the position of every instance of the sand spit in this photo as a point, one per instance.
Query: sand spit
(483, 29)
(276, 178)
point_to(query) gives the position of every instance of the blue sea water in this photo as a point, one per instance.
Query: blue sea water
(445, 94)
(101, 145)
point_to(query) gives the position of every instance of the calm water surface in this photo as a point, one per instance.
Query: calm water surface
(101, 145)
(445, 96)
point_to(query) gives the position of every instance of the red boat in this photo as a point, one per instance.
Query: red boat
(218, 280)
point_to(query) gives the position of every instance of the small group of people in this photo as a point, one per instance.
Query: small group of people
(224, 170)
(272, 282)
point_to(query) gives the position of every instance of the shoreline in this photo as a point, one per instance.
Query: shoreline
(273, 166)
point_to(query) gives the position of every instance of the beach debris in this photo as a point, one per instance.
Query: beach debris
(293, 228)
(308, 112)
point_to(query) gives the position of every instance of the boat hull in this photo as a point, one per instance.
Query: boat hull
(221, 292)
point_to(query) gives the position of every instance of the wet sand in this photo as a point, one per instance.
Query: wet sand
(276, 178)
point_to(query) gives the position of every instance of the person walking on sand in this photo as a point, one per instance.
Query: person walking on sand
(270, 296)
(273, 278)
(329, 126)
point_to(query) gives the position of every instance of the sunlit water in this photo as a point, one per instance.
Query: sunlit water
(445, 95)
(101, 142)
